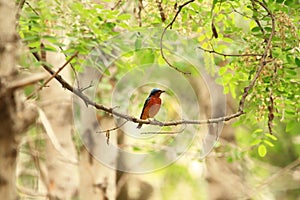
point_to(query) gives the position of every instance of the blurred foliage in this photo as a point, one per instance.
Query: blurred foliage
(242, 27)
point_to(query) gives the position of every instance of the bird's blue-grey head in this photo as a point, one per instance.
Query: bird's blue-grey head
(155, 91)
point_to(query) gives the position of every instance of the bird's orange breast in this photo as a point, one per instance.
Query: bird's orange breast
(152, 108)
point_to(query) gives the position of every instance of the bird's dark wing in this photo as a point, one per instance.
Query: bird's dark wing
(145, 104)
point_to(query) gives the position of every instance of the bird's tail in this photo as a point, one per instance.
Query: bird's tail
(139, 126)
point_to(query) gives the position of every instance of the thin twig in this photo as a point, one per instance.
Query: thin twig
(87, 87)
(271, 102)
(271, 113)
(269, 42)
(257, 21)
(206, 121)
(262, 61)
(238, 12)
(163, 34)
(26, 81)
(72, 67)
(229, 55)
(21, 83)
(214, 30)
(107, 132)
(116, 4)
(28, 4)
(61, 68)
(53, 75)
(161, 10)
(140, 8)
(115, 128)
(20, 7)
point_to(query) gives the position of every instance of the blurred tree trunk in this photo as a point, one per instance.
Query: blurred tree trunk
(15, 115)
(224, 180)
(63, 179)
(97, 180)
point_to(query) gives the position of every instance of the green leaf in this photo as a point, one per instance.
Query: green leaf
(262, 150)
(289, 59)
(291, 72)
(136, 148)
(195, 6)
(266, 79)
(297, 61)
(271, 136)
(255, 142)
(259, 130)
(124, 16)
(269, 143)
(230, 159)
(34, 45)
(50, 48)
(232, 88)
(222, 70)
(145, 56)
(138, 43)
(251, 73)
(226, 78)
(268, 29)
(213, 6)
(255, 29)
(219, 81)
(277, 51)
(32, 38)
(226, 89)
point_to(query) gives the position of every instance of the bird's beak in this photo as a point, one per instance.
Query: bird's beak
(162, 91)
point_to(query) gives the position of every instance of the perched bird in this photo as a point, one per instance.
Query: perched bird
(152, 105)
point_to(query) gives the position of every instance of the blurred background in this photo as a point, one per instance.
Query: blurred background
(74, 151)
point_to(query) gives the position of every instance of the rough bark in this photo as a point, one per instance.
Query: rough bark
(15, 115)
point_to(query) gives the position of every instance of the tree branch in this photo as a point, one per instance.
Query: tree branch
(53, 75)
(26, 81)
(140, 8)
(113, 129)
(107, 131)
(229, 55)
(163, 34)
(116, 4)
(257, 21)
(161, 11)
(263, 59)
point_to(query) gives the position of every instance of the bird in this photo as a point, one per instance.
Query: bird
(151, 105)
